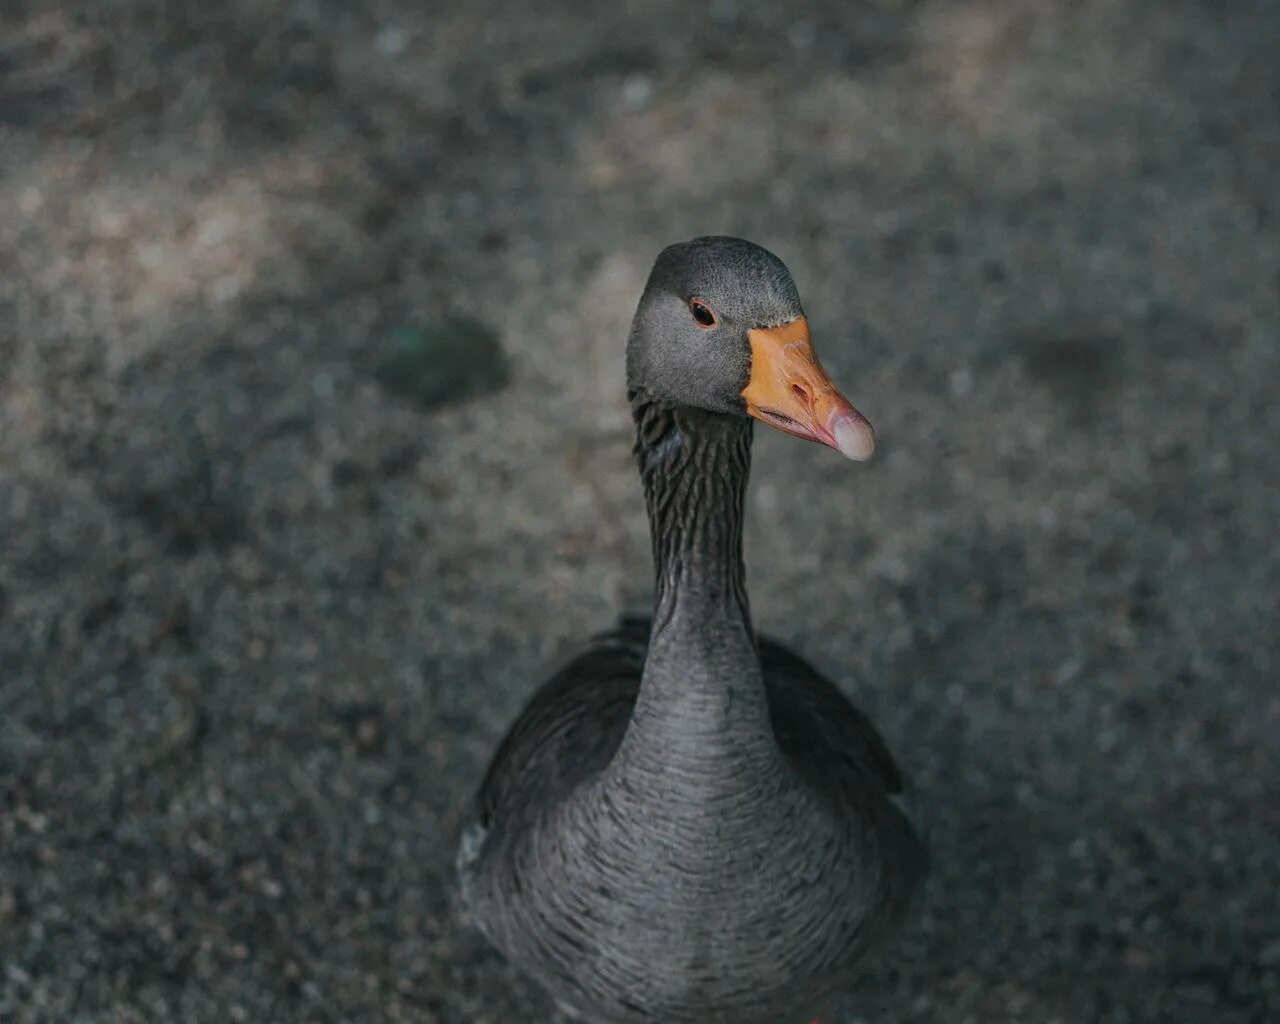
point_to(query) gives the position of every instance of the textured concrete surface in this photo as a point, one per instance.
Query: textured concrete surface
(269, 596)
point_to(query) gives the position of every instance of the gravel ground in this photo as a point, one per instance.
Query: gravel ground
(314, 455)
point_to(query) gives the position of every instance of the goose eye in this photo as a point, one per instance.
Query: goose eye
(702, 313)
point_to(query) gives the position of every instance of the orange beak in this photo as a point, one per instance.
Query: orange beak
(790, 390)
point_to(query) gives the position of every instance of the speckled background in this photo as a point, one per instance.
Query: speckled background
(314, 456)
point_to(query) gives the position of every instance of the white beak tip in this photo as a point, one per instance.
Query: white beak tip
(855, 438)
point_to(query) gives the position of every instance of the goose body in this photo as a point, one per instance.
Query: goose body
(688, 822)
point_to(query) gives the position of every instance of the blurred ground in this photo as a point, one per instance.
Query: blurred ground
(269, 591)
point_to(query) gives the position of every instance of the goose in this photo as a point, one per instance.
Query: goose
(688, 824)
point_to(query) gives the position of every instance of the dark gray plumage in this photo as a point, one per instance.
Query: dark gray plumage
(687, 823)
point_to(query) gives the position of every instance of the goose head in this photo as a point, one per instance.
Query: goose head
(720, 328)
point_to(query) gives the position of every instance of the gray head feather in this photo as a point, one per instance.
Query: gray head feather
(672, 358)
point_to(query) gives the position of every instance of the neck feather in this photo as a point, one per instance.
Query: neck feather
(694, 466)
(702, 703)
